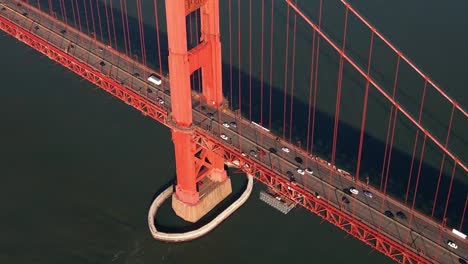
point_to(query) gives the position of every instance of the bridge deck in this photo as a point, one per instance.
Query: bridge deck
(426, 236)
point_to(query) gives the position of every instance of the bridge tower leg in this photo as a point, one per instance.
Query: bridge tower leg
(197, 168)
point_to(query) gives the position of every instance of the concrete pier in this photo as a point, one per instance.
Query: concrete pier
(186, 236)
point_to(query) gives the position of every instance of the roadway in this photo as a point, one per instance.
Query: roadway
(425, 235)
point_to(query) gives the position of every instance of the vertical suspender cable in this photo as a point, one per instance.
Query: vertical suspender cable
(123, 26)
(261, 62)
(311, 81)
(292, 78)
(317, 56)
(128, 29)
(78, 15)
(99, 20)
(271, 60)
(86, 16)
(415, 142)
(113, 25)
(421, 159)
(158, 39)
(239, 65)
(286, 64)
(463, 214)
(108, 24)
(230, 54)
(364, 108)
(338, 91)
(74, 14)
(142, 32)
(92, 18)
(250, 60)
(51, 8)
(443, 161)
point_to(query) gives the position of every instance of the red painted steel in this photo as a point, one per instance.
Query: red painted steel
(182, 63)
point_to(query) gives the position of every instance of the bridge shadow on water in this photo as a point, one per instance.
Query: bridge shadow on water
(348, 139)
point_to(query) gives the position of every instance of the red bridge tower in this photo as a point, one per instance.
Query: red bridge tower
(193, 162)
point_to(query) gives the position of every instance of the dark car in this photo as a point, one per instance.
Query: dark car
(253, 153)
(389, 214)
(290, 174)
(136, 74)
(298, 160)
(345, 200)
(347, 191)
(462, 261)
(210, 115)
(272, 150)
(401, 215)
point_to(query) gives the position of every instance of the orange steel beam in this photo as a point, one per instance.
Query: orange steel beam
(347, 223)
(192, 5)
(182, 63)
(377, 86)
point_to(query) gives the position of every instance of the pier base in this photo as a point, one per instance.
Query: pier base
(211, 194)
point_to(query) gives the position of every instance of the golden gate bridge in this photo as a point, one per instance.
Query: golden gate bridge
(213, 122)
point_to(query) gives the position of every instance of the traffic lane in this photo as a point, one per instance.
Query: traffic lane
(429, 237)
(101, 49)
(377, 218)
(338, 180)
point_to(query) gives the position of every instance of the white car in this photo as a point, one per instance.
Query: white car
(300, 171)
(225, 124)
(160, 101)
(368, 194)
(309, 171)
(452, 245)
(243, 154)
(223, 136)
(353, 190)
(285, 149)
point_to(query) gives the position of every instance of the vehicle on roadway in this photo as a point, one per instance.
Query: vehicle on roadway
(223, 136)
(300, 171)
(225, 124)
(451, 244)
(298, 160)
(160, 101)
(233, 124)
(243, 154)
(367, 193)
(285, 149)
(317, 195)
(272, 150)
(253, 153)
(401, 215)
(154, 79)
(290, 174)
(353, 190)
(346, 190)
(345, 200)
(309, 171)
(210, 115)
(389, 214)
